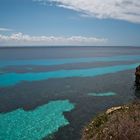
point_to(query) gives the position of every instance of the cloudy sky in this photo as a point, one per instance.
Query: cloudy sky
(70, 22)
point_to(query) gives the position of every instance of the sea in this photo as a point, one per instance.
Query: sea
(53, 92)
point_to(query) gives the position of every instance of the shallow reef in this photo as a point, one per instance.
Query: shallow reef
(11, 79)
(35, 124)
(102, 94)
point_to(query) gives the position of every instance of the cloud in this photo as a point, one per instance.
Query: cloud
(128, 10)
(23, 39)
(5, 29)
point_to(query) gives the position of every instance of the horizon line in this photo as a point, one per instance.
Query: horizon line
(49, 46)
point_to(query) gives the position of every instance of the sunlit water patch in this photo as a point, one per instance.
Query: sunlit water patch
(11, 79)
(50, 62)
(102, 94)
(36, 124)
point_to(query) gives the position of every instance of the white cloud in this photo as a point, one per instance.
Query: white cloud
(128, 10)
(23, 39)
(5, 29)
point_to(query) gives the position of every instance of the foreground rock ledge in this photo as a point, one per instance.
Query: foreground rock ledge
(117, 123)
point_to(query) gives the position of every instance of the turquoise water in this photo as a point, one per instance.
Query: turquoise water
(36, 124)
(54, 97)
(102, 94)
(68, 60)
(11, 79)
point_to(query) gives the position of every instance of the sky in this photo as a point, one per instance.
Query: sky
(70, 22)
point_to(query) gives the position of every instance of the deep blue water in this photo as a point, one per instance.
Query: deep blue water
(61, 88)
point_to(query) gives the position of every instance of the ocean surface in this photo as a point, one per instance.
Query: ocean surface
(51, 93)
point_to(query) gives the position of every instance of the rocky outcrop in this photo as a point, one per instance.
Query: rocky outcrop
(112, 109)
(117, 123)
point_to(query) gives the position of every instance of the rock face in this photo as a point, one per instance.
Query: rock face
(137, 74)
(117, 123)
(112, 109)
